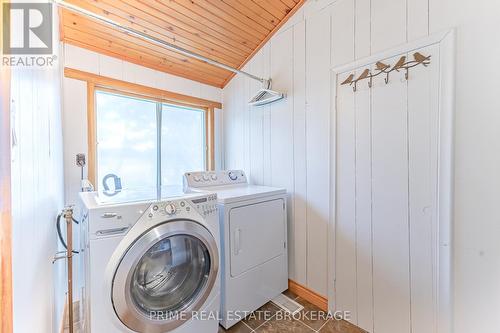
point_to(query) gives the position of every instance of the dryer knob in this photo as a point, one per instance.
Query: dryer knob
(232, 175)
(205, 178)
(170, 209)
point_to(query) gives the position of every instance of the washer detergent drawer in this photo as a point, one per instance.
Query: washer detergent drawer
(257, 234)
(114, 221)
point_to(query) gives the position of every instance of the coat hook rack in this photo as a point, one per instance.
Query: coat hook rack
(383, 68)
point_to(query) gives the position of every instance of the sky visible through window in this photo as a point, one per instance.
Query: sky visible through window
(127, 130)
(182, 143)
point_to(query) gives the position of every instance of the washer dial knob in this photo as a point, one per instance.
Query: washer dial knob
(232, 175)
(196, 178)
(170, 209)
(205, 178)
(214, 176)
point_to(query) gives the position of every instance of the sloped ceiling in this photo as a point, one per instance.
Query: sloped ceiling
(228, 31)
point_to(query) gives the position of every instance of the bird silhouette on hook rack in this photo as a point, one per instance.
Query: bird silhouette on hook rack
(380, 67)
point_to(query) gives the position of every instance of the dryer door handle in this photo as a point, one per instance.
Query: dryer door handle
(237, 241)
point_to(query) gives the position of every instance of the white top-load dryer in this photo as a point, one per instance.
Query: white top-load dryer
(253, 224)
(151, 265)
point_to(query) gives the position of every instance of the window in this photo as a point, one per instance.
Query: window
(146, 142)
(182, 141)
(126, 140)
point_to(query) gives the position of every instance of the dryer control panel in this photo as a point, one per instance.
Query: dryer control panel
(213, 178)
(205, 205)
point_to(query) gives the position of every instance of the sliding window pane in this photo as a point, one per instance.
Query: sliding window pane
(126, 141)
(182, 143)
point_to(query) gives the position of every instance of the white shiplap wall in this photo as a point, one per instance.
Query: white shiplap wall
(327, 33)
(75, 103)
(37, 197)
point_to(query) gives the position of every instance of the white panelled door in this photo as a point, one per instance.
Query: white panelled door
(387, 163)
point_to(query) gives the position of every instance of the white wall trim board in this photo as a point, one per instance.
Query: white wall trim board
(443, 241)
(408, 47)
(446, 177)
(331, 272)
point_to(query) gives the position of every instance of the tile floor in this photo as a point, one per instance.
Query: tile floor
(273, 320)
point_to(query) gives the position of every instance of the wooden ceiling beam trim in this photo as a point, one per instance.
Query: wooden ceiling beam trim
(135, 88)
(167, 21)
(60, 14)
(172, 71)
(193, 6)
(229, 33)
(290, 14)
(148, 55)
(239, 16)
(146, 19)
(149, 28)
(189, 23)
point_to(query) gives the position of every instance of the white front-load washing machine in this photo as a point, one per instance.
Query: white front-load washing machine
(151, 266)
(253, 221)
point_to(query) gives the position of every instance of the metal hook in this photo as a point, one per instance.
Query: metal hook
(370, 82)
(355, 86)
(407, 74)
(386, 80)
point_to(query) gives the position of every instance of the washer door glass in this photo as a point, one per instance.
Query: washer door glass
(170, 275)
(165, 276)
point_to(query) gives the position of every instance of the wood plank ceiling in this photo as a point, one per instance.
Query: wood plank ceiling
(228, 31)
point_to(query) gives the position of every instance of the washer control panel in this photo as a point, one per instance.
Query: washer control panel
(213, 178)
(205, 205)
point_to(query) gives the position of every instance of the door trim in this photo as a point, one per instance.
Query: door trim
(123, 305)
